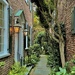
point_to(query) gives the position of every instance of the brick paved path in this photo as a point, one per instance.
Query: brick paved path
(41, 68)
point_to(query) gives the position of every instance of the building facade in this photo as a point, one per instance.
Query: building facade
(66, 13)
(13, 14)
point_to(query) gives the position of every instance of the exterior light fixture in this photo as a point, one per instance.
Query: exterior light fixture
(11, 30)
(26, 32)
(17, 28)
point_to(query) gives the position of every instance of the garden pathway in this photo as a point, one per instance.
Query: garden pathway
(41, 68)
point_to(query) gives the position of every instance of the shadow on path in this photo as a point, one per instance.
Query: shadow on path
(41, 68)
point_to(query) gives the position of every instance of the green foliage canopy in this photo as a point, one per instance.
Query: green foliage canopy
(43, 9)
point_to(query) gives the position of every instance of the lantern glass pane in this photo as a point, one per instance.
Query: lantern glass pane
(16, 29)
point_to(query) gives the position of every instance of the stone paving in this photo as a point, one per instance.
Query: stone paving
(41, 68)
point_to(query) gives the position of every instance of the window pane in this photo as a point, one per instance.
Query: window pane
(1, 47)
(0, 31)
(1, 26)
(1, 10)
(1, 14)
(1, 39)
(1, 44)
(0, 6)
(1, 23)
(26, 1)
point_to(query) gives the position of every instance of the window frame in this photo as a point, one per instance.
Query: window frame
(2, 29)
(30, 6)
(27, 2)
(6, 30)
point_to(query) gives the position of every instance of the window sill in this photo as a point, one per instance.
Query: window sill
(4, 55)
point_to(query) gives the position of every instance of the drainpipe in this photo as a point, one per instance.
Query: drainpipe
(26, 36)
(31, 36)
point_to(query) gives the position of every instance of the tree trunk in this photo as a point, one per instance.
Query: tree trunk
(62, 55)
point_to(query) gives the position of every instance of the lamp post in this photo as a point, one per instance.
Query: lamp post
(26, 34)
(15, 29)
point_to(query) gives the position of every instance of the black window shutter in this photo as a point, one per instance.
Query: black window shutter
(73, 21)
(10, 36)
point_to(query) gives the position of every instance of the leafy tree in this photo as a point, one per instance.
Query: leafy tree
(36, 20)
(36, 25)
(40, 38)
(48, 13)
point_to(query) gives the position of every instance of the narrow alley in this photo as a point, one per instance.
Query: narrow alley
(41, 68)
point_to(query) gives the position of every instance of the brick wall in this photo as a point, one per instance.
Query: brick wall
(21, 4)
(8, 62)
(64, 9)
(16, 5)
(70, 39)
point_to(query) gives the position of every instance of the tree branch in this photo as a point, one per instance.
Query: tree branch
(44, 16)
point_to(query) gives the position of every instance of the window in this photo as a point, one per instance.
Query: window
(27, 1)
(73, 21)
(30, 6)
(4, 25)
(1, 26)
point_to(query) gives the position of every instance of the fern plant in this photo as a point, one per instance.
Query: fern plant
(17, 69)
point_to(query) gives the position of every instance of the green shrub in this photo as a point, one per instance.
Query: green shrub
(63, 71)
(31, 60)
(34, 59)
(52, 72)
(73, 70)
(26, 59)
(2, 64)
(17, 69)
(31, 50)
(35, 49)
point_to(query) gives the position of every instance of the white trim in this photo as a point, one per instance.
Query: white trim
(30, 6)
(6, 34)
(27, 1)
(4, 2)
(4, 55)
